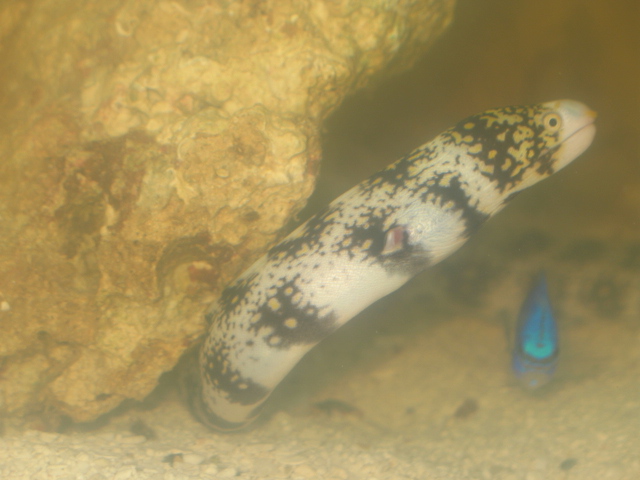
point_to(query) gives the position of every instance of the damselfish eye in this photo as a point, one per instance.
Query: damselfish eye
(552, 122)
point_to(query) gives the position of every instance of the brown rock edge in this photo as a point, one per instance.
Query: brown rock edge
(149, 152)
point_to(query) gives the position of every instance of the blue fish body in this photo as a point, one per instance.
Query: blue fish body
(535, 352)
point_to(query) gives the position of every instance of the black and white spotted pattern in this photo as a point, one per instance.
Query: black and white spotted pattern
(369, 242)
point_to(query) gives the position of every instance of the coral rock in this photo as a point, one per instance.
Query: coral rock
(150, 151)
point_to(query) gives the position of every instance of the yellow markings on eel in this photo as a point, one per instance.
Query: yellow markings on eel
(458, 139)
(510, 118)
(502, 118)
(304, 250)
(475, 149)
(274, 304)
(522, 133)
(516, 171)
(521, 150)
(333, 216)
(290, 323)
(413, 170)
(445, 180)
(488, 169)
(346, 242)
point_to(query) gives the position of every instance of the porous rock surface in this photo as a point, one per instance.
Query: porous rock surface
(150, 150)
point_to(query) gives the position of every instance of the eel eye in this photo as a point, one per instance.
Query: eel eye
(552, 122)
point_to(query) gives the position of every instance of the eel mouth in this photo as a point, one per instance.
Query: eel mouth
(579, 140)
(587, 124)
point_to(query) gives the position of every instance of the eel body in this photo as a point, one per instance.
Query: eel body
(535, 350)
(370, 241)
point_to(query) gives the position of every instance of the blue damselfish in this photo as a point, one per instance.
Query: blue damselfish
(535, 352)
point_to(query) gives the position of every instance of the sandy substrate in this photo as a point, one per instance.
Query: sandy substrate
(434, 401)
